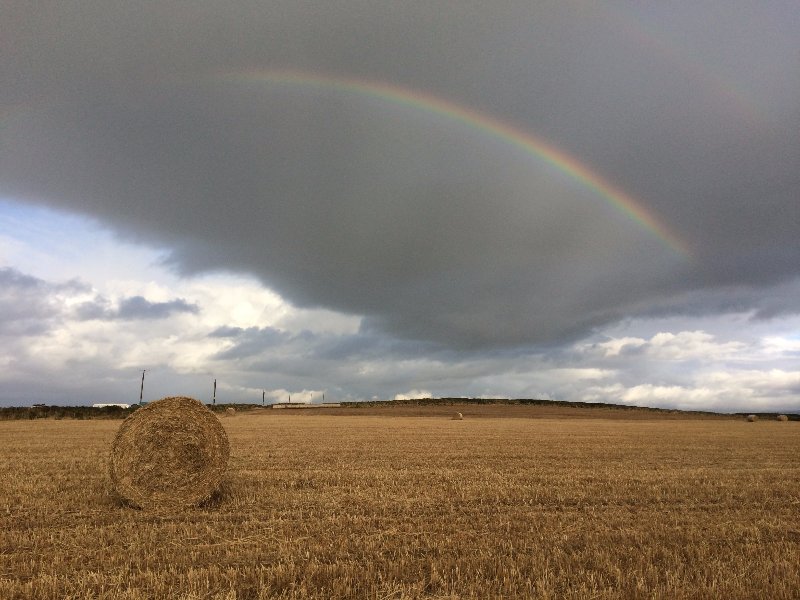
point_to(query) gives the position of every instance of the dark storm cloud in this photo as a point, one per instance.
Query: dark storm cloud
(429, 228)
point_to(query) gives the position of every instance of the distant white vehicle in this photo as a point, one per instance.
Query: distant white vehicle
(111, 404)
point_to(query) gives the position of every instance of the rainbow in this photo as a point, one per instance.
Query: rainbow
(481, 122)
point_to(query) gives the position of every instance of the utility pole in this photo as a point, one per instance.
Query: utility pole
(141, 389)
(214, 399)
(263, 393)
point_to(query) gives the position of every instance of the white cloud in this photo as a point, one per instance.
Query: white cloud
(777, 346)
(668, 395)
(586, 373)
(664, 345)
(724, 391)
(759, 383)
(413, 395)
(687, 345)
(692, 397)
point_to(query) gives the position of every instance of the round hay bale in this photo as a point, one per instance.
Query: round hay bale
(752, 418)
(169, 454)
(458, 417)
(783, 418)
(230, 411)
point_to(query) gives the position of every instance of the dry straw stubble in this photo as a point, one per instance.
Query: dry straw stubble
(415, 509)
(172, 453)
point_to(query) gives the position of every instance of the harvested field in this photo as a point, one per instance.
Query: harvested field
(318, 505)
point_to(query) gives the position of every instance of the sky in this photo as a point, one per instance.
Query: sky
(355, 200)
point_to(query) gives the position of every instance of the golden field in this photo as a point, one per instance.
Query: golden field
(511, 502)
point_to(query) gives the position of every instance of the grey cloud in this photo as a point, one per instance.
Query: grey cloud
(431, 229)
(256, 343)
(251, 341)
(11, 278)
(96, 309)
(29, 305)
(782, 304)
(368, 344)
(226, 332)
(138, 307)
(132, 308)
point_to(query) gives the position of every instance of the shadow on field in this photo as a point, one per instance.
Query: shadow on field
(220, 497)
(107, 498)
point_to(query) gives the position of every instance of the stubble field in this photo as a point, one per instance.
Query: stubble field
(522, 503)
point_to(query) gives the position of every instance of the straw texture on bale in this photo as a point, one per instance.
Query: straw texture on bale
(783, 418)
(752, 418)
(458, 417)
(172, 453)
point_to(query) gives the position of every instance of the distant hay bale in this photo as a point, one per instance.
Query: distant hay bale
(169, 454)
(230, 411)
(783, 418)
(458, 417)
(752, 418)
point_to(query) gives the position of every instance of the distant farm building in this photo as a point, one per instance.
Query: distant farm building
(107, 405)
